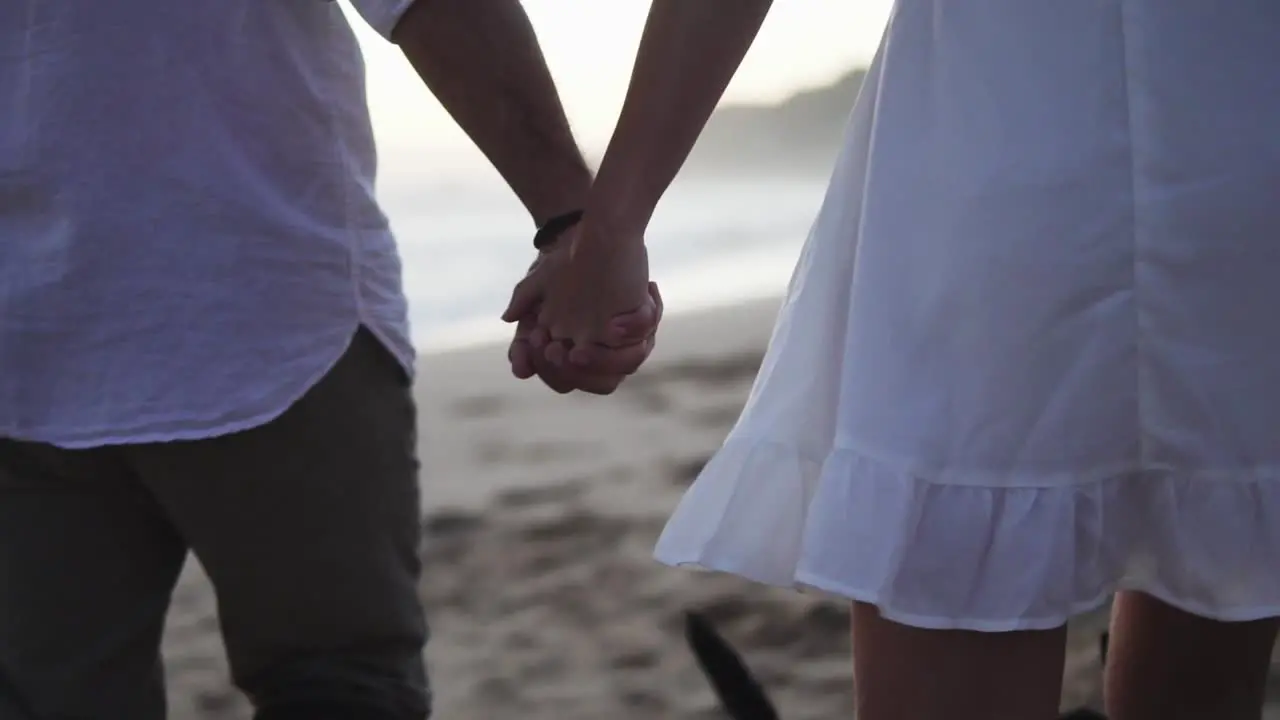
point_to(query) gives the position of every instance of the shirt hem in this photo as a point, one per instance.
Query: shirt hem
(195, 428)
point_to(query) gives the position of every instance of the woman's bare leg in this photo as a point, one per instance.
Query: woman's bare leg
(906, 673)
(1166, 664)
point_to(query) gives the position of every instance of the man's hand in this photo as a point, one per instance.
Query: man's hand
(581, 292)
(632, 336)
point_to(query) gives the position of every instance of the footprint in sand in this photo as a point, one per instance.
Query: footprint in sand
(450, 524)
(516, 498)
(481, 406)
(718, 418)
(503, 451)
(649, 390)
(682, 472)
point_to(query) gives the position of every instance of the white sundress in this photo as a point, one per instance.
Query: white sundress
(1053, 370)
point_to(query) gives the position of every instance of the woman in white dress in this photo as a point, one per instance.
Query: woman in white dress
(1029, 358)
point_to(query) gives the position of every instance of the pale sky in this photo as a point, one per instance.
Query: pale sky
(590, 45)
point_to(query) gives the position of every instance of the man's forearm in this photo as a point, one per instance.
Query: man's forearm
(689, 52)
(481, 60)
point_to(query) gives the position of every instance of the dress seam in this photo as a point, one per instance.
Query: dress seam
(1095, 474)
(1139, 346)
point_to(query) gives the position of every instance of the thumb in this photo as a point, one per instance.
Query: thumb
(524, 298)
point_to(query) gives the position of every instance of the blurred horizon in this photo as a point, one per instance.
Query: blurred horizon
(590, 48)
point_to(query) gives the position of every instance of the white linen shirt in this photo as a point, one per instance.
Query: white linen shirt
(188, 231)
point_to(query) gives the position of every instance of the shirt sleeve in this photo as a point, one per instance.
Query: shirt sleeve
(382, 14)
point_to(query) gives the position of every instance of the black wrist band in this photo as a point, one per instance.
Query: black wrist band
(552, 228)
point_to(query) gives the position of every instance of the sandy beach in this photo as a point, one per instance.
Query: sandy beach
(540, 515)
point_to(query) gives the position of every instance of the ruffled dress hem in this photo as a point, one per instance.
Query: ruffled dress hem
(1022, 556)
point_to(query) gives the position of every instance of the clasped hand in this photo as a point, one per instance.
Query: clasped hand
(586, 313)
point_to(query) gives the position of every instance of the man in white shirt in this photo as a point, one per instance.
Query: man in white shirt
(204, 344)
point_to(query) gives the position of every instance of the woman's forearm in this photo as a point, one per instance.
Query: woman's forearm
(689, 52)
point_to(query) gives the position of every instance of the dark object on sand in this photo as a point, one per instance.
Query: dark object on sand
(326, 710)
(1083, 714)
(741, 694)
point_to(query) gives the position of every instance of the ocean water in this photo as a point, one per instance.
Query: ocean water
(711, 242)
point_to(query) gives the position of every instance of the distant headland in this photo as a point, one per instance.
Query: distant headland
(797, 136)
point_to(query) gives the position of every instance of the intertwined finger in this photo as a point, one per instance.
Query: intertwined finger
(635, 327)
(628, 342)
(526, 296)
(521, 354)
(527, 361)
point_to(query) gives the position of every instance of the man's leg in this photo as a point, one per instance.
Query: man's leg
(87, 566)
(308, 527)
